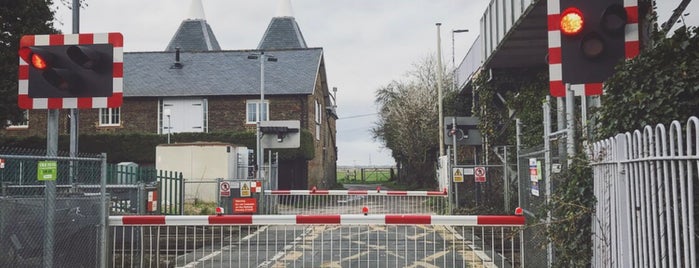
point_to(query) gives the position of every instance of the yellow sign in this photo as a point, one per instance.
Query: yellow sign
(458, 175)
(245, 190)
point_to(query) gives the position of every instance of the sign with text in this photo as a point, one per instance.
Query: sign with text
(46, 170)
(244, 205)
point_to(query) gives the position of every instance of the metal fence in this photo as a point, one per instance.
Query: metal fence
(316, 241)
(645, 185)
(43, 227)
(377, 201)
(132, 189)
(53, 209)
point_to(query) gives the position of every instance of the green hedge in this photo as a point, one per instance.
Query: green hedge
(140, 147)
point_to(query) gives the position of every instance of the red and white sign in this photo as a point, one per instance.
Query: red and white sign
(256, 187)
(225, 188)
(244, 205)
(479, 174)
(2, 163)
(556, 85)
(117, 41)
(152, 203)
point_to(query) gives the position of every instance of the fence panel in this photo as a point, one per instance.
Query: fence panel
(316, 241)
(356, 201)
(644, 184)
(45, 225)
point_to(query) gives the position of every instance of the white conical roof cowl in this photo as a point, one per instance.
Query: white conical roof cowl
(196, 10)
(284, 8)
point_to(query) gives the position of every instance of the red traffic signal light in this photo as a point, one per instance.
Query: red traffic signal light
(586, 40)
(70, 71)
(592, 39)
(572, 21)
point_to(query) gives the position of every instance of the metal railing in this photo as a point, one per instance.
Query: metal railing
(315, 241)
(356, 201)
(644, 184)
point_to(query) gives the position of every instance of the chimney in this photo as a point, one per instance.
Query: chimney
(177, 64)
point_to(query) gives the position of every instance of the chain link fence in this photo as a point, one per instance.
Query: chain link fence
(52, 209)
(42, 225)
(536, 184)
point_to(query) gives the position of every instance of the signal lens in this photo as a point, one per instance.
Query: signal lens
(39, 62)
(592, 45)
(614, 19)
(572, 21)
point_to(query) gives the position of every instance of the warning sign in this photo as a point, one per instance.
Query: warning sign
(2, 163)
(245, 190)
(458, 174)
(479, 174)
(244, 205)
(225, 188)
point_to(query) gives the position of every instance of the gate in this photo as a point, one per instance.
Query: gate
(316, 241)
(356, 201)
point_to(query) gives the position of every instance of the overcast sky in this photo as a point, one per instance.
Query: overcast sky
(366, 43)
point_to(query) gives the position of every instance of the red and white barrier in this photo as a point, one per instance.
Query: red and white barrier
(338, 219)
(356, 192)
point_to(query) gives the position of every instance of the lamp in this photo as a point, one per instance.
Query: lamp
(262, 57)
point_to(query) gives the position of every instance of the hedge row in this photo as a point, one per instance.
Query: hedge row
(140, 147)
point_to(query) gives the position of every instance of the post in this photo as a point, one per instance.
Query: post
(260, 152)
(74, 113)
(259, 116)
(439, 90)
(50, 190)
(518, 131)
(103, 214)
(453, 139)
(570, 121)
(560, 124)
(506, 174)
(547, 168)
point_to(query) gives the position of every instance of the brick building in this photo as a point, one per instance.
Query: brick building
(194, 86)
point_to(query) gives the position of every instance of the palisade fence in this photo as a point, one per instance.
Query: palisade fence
(645, 185)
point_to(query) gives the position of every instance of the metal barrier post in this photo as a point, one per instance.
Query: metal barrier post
(103, 213)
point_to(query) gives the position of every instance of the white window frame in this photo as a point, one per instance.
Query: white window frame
(113, 115)
(251, 112)
(25, 124)
(319, 117)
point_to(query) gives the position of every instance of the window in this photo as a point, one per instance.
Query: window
(318, 115)
(21, 124)
(251, 112)
(110, 117)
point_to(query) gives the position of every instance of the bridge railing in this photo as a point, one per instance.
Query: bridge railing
(292, 202)
(316, 241)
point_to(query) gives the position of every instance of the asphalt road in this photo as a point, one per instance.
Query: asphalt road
(340, 246)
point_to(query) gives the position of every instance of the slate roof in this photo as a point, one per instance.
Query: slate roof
(217, 73)
(282, 33)
(193, 35)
